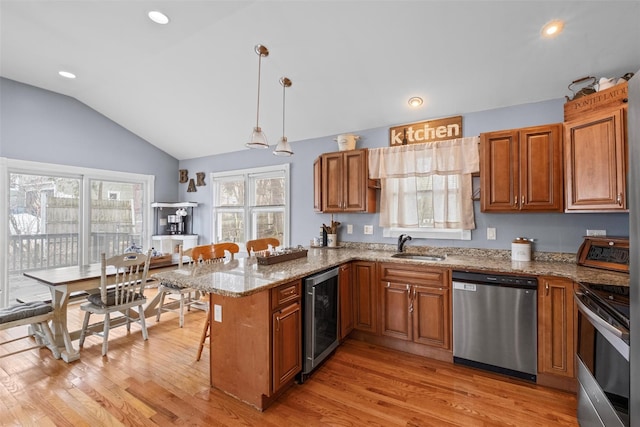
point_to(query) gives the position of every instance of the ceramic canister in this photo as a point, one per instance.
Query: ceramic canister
(521, 249)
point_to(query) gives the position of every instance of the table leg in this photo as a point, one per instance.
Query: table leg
(60, 299)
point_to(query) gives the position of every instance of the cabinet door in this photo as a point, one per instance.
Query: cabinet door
(365, 300)
(355, 181)
(317, 185)
(395, 311)
(346, 300)
(556, 312)
(499, 157)
(541, 186)
(332, 182)
(596, 162)
(287, 344)
(431, 316)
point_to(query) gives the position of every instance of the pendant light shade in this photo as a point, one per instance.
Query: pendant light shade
(258, 138)
(283, 148)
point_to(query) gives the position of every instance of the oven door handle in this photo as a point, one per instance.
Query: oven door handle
(610, 332)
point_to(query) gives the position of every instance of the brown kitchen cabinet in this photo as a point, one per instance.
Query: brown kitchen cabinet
(287, 334)
(596, 162)
(258, 367)
(556, 324)
(521, 170)
(416, 304)
(317, 185)
(365, 296)
(344, 184)
(345, 300)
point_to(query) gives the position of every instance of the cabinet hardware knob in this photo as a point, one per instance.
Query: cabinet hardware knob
(546, 288)
(625, 100)
(522, 201)
(388, 284)
(619, 199)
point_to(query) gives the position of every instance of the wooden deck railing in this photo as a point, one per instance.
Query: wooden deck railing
(36, 251)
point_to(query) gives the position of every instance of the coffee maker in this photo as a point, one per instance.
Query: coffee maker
(175, 224)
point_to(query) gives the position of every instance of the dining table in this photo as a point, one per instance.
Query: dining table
(65, 281)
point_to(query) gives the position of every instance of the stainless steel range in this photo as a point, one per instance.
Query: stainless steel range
(603, 355)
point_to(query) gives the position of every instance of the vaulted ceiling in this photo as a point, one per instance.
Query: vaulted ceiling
(190, 87)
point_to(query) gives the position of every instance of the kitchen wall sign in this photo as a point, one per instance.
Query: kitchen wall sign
(427, 131)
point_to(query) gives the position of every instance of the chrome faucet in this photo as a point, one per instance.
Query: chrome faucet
(402, 239)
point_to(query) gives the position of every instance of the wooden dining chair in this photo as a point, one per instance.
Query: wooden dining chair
(259, 246)
(119, 292)
(203, 254)
(187, 296)
(220, 250)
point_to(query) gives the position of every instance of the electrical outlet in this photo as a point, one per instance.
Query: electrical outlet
(217, 313)
(596, 232)
(368, 229)
(491, 233)
(349, 228)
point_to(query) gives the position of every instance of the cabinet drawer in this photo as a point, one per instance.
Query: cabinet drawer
(404, 273)
(285, 294)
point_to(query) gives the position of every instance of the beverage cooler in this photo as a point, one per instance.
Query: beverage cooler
(173, 224)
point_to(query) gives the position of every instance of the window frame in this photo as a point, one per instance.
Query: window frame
(249, 208)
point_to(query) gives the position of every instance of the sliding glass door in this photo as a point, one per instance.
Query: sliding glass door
(63, 216)
(44, 228)
(116, 217)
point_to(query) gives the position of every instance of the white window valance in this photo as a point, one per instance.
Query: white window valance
(426, 185)
(452, 157)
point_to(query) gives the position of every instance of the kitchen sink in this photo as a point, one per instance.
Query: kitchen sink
(419, 257)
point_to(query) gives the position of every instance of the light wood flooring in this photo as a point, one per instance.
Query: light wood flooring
(158, 382)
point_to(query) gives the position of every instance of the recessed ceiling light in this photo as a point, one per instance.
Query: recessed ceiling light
(67, 75)
(158, 17)
(552, 29)
(415, 101)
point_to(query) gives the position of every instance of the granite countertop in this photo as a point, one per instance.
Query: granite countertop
(244, 276)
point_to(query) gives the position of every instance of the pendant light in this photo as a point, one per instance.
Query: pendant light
(283, 148)
(258, 138)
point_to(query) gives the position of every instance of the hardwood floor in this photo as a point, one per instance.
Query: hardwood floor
(158, 382)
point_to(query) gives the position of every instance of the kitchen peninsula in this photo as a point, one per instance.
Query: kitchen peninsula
(252, 306)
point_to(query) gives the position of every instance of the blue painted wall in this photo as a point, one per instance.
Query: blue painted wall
(553, 232)
(43, 126)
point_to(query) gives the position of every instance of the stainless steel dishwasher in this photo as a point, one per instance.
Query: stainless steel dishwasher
(495, 323)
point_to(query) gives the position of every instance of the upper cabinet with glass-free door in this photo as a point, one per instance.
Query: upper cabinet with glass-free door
(521, 170)
(342, 184)
(596, 152)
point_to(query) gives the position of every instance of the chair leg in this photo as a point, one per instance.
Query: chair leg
(205, 334)
(105, 334)
(143, 323)
(162, 295)
(85, 326)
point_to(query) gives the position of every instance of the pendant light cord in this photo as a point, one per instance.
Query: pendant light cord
(258, 108)
(284, 88)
